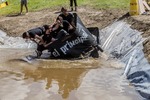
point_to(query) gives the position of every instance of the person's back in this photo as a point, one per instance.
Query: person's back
(36, 31)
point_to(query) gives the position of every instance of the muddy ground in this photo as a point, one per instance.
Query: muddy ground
(15, 24)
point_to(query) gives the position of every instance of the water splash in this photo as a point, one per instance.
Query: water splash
(14, 42)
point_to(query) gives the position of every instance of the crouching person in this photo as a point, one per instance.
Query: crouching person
(63, 29)
(47, 40)
(40, 36)
(35, 34)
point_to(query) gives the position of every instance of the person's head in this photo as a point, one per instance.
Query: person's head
(46, 27)
(49, 30)
(63, 10)
(25, 35)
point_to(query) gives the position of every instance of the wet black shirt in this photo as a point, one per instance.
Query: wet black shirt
(69, 17)
(55, 33)
(36, 31)
(47, 38)
(65, 25)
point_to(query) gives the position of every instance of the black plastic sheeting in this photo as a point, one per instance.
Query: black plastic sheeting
(125, 44)
(79, 42)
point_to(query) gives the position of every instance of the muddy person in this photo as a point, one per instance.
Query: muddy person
(67, 16)
(23, 3)
(38, 35)
(63, 28)
(73, 2)
(35, 33)
(47, 41)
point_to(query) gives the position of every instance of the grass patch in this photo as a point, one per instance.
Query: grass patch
(35, 5)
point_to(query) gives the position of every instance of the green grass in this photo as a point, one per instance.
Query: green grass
(106, 4)
(35, 5)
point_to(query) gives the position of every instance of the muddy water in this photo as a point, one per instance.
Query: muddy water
(88, 79)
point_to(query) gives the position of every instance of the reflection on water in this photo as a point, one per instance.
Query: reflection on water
(66, 79)
(87, 79)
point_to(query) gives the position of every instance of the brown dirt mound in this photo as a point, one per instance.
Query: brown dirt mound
(15, 25)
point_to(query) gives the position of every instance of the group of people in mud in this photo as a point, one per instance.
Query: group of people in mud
(44, 36)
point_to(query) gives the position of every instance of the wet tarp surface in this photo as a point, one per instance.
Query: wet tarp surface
(125, 44)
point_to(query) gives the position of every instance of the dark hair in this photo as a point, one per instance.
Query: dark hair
(46, 27)
(24, 35)
(63, 9)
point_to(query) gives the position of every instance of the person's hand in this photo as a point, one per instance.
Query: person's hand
(45, 45)
(32, 39)
(40, 43)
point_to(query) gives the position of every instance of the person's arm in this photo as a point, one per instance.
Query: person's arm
(52, 40)
(56, 26)
(32, 39)
(72, 20)
(70, 27)
(46, 45)
(39, 38)
(55, 22)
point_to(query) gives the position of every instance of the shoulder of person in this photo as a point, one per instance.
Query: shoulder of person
(35, 28)
(70, 14)
(61, 15)
(41, 28)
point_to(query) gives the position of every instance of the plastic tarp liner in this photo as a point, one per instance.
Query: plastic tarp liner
(73, 45)
(125, 44)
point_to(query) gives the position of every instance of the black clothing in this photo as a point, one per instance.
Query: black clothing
(61, 34)
(47, 39)
(55, 32)
(40, 48)
(69, 17)
(71, 3)
(36, 31)
(64, 26)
